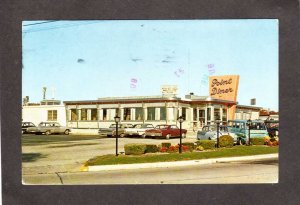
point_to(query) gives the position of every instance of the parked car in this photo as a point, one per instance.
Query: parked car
(25, 125)
(138, 130)
(111, 131)
(49, 128)
(272, 127)
(241, 129)
(165, 131)
(209, 132)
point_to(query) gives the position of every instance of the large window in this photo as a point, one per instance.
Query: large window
(202, 116)
(126, 115)
(163, 113)
(74, 115)
(139, 113)
(208, 114)
(83, 114)
(52, 115)
(217, 114)
(151, 113)
(195, 114)
(183, 113)
(94, 114)
(224, 115)
(104, 114)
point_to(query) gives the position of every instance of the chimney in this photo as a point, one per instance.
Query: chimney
(44, 93)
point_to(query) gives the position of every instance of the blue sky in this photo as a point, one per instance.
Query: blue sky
(84, 60)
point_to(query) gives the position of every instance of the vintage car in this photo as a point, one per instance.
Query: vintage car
(138, 130)
(165, 131)
(49, 128)
(111, 130)
(272, 127)
(209, 132)
(241, 129)
(25, 125)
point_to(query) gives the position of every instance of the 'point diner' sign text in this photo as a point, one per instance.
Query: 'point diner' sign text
(224, 87)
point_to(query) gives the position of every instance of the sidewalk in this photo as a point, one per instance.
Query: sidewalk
(176, 164)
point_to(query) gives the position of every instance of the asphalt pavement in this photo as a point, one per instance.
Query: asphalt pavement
(57, 159)
(245, 172)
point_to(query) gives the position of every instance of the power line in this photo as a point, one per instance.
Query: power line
(39, 23)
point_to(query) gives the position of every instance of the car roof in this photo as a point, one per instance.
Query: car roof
(245, 121)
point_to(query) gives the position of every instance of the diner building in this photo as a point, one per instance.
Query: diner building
(163, 109)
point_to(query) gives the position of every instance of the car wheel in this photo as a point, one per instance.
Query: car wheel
(143, 136)
(67, 132)
(183, 135)
(48, 132)
(168, 136)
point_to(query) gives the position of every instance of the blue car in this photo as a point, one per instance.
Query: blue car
(209, 132)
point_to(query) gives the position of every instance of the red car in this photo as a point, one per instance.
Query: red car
(165, 131)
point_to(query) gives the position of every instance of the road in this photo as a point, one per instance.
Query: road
(57, 159)
(43, 154)
(263, 171)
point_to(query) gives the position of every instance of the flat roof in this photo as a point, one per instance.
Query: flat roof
(249, 107)
(148, 99)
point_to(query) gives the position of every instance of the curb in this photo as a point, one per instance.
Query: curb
(175, 164)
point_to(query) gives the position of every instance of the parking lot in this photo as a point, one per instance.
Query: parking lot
(66, 153)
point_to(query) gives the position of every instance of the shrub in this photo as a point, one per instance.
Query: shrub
(173, 149)
(269, 143)
(166, 144)
(184, 148)
(226, 141)
(266, 138)
(190, 145)
(275, 143)
(151, 148)
(257, 141)
(134, 149)
(163, 149)
(206, 144)
(199, 148)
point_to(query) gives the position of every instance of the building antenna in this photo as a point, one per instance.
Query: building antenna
(44, 93)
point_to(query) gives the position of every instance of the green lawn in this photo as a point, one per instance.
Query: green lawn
(222, 152)
(29, 140)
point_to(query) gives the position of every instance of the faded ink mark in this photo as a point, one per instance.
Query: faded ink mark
(211, 70)
(80, 60)
(179, 72)
(136, 59)
(166, 61)
(133, 83)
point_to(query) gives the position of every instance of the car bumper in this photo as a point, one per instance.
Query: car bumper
(154, 134)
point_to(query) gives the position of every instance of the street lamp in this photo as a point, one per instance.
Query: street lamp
(249, 124)
(218, 132)
(117, 120)
(180, 119)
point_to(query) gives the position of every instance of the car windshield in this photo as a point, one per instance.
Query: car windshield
(213, 127)
(257, 126)
(147, 126)
(223, 128)
(114, 126)
(161, 127)
(138, 126)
